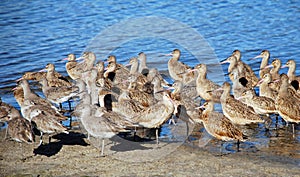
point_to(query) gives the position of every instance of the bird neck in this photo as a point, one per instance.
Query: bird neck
(231, 66)
(201, 76)
(291, 72)
(134, 68)
(142, 64)
(264, 62)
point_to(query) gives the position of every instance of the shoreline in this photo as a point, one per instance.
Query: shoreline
(76, 157)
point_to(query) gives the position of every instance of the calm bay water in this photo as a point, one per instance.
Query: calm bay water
(34, 33)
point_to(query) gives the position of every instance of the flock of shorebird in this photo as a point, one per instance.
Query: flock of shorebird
(113, 98)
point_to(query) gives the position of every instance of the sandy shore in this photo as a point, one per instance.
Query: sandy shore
(72, 155)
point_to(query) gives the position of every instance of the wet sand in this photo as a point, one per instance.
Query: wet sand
(72, 155)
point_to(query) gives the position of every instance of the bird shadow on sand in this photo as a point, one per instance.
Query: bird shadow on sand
(122, 144)
(73, 138)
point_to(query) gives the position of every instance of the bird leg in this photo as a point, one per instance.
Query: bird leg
(172, 120)
(88, 136)
(49, 139)
(134, 134)
(70, 125)
(156, 134)
(276, 122)
(6, 132)
(293, 127)
(268, 122)
(102, 148)
(187, 132)
(70, 107)
(221, 148)
(60, 106)
(238, 145)
(41, 139)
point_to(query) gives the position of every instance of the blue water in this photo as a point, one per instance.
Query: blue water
(34, 33)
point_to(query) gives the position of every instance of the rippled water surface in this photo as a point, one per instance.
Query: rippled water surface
(34, 33)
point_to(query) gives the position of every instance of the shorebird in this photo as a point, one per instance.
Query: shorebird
(32, 97)
(102, 124)
(232, 63)
(88, 62)
(98, 126)
(185, 105)
(121, 72)
(73, 67)
(89, 77)
(294, 80)
(46, 124)
(85, 99)
(205, 87)
(219, 126)
(153, 72)
(264, 88)
(156, 115)
(60, 94)
(19, 129)
(19, 94)
(236, 111)
(157, 88)
(145, 99)
(178, 70)
(143, 69)
(247, 69)
(276, 64)
(6, 111)
(126, 106)
(32, 100)
(53, 80)
(239, 84)
(242, 71)
(36, 76)
(260, 104)
(116, 74)
(265, 55)
(287, 104)
(139, 78)
(101, 81)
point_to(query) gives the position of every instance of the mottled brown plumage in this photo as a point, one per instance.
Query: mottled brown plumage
(236, 111)
(265, 89)
(19, 129)
(218, 125)
(288, 105)
(265, 55)
(53, 80)
(205, 87)
(178, 70)
(260, 104)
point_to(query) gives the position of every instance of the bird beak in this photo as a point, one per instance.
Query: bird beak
(268, 66)
(19, 79)
(224, 61)
(259, 82)
(42, 70)
(191, 70)
(80, 58)
(219, 89)
(168, 54)
(284, 66)
(258, 56)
